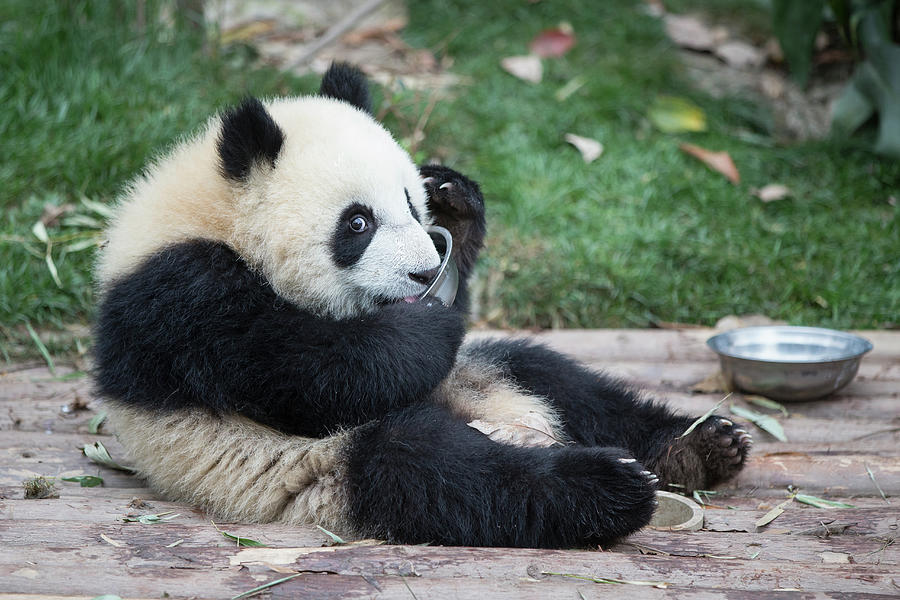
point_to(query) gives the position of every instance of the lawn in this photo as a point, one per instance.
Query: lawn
(643, 235)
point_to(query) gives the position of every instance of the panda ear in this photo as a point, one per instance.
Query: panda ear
(345, 82)
(248, 136)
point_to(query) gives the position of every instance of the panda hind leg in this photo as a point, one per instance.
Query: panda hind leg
(601, 411)
(422, 475)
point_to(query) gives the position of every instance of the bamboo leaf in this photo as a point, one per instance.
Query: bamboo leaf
(41, 348)
(821, 502)
(85, 480)
(98, 453)
(96, 421)
(703, 417)
(764, 422)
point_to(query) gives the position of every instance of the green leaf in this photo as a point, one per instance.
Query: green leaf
(98, 453)
(796, 23)
(766, 403)
(41, 347)
(96, 421)
(85, 480)
(40, 232)
(764, 422)
(335, 537)
(821, 502)
(852, 108)
(671, 114)
(703, 417)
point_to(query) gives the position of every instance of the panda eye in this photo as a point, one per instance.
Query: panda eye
(358, 223)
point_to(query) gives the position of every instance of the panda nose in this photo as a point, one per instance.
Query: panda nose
(425, 277)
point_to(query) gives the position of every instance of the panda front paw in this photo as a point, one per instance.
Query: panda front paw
(456, 203)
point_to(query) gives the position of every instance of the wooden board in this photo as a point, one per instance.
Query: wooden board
(78, 546)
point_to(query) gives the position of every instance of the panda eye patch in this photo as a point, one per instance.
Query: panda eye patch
(358, 223)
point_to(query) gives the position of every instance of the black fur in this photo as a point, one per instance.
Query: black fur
(420, 475)
(248, 136)
(348, 246)
(345, 82)
(601, 411)
(412, 209)
(195, 327)
(458, 207)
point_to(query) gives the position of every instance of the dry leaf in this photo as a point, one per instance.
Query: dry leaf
(689, 32)
(527, 68)
(717, 161)
(713, 384)
(112, 542)
(530, 430)
(835, 558)
(740, 55)
(553, 43)
(772, 192)
(590, 148)
(381, 30)
(671, 114)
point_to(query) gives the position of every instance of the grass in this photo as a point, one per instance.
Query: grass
(643, 235)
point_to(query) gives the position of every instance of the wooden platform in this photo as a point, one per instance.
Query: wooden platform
(77, 545)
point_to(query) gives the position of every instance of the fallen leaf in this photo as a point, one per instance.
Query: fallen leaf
(111, 541)
(766, 403)
(527, 68)
(712, 384)
(821, 502)
(689, 32)
(739, 55)
(530, 430)
(553, 43)
(703, 417)
(764, 422)
(836, 558)
(590, 148)
(772, 192)
(85, 480)
(381, 30)
(717, 161)
(98, 453)
(671, 114)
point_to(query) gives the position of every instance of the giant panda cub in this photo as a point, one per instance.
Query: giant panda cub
(262, 355)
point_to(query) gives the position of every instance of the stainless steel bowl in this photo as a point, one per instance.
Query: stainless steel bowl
(789, 363)
(444, 286)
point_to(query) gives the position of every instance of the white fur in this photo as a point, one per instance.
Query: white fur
(281, 221)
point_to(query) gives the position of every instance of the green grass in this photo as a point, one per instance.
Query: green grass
(644, 234)
(85, 100)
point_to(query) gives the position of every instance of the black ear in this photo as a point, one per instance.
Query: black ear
(249, 135)
(345, 82)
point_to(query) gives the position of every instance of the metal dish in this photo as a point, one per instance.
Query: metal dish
(789, 363)
(446, 283)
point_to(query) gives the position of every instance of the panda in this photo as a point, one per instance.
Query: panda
(261, 352)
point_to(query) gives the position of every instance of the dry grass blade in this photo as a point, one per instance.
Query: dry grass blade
(265, 586)
(98, 453)
(704, 417)
(764, 422)
(657, 584)
(877, 487)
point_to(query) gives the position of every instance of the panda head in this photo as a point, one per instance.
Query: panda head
(325, 204)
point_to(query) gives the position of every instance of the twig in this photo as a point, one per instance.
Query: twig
(336, 30)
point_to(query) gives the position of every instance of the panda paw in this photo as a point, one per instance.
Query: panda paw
(722, 446)
(451, 194)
